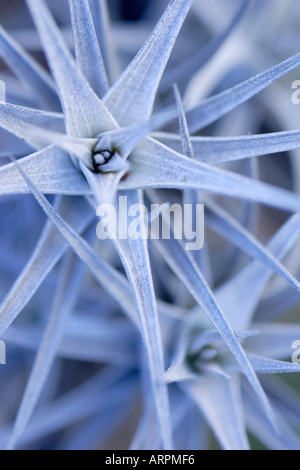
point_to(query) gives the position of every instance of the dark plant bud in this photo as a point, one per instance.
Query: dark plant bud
(101, 158)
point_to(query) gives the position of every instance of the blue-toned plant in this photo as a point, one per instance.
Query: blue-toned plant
(144, 332)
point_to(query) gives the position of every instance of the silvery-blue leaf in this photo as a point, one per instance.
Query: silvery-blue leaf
(112, 281)
(135, 258)
(257, 276)
(68, 409)
(226, 421)
(215, 107)
(185, 138)
(131, 99)
(49, 250)
(226, 226)
(286, 439)
(202, 257)
(64, 300)
(275, 305)
(95, 343)
(13, 118)
(285, 398)
(184, 266)
(102, 23)
(50, 169)
(39, 138)
(274, 340)
(37, 81)
(190, 66)
(216, 150)
(87, 51)
(263, 365)
(85, 114)
(157, 166)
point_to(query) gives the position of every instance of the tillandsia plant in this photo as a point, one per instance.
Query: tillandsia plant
(125, 340)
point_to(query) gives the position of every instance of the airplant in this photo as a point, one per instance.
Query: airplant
(125, 333)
